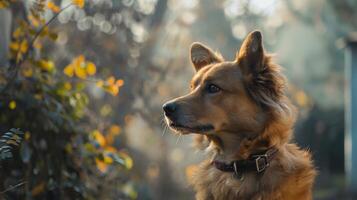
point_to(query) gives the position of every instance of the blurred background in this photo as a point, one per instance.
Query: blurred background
(87, 92)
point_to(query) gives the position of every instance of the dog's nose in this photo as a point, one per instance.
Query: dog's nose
(169, 108)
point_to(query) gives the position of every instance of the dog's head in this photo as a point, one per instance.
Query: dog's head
(237, 97)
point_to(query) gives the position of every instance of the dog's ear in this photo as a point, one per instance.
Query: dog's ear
(251, 53)
(202, 56)
(263, 79)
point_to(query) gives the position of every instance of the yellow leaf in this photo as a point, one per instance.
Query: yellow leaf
(110, 138)
(79, 67)
(53, 36)
(24, 46)
(79, 60)
(129, 190)
(4, 4)
(301, 98)
(14, 46)
(67, 86)
(89, 147)
(52, 6)
(69, 70)
(27, 135)
(18, 58)
(98, 136)
(79, 3)
(110, 149)
(68, 148)
(80, 72)
(100, 83)
(38, 96)
(107, 159)
(119, 82)
(91, 68)
(18, 32)
(27, 72)
(113, 90)
(37, 44)
(38, 189)
(111, 80)
(34, 21)
(47, 65)
(128, 160)
(114, 129)
(111, 85)
(12, 105)
(45, 31)
(101, 165)
(105, 110)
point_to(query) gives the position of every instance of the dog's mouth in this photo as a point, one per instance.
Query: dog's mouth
(190, 129)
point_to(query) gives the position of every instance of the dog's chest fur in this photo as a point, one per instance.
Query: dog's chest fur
(289, 176)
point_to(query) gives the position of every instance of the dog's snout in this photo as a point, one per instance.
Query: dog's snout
(170, 108)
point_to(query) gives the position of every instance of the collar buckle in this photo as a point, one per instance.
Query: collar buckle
(261, 162)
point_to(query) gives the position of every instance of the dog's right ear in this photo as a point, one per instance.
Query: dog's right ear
(202, 56)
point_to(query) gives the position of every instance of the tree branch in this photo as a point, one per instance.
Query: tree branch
(32, 42)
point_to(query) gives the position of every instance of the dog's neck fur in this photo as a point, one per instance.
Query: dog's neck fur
(224, 146)
(231, 148)
(227, 147)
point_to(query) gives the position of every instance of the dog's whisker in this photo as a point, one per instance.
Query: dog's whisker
(178, 138)
(164, 124)
(164, 131)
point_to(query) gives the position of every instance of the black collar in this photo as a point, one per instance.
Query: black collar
(255, 162)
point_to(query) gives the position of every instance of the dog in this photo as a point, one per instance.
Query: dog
(242, 117)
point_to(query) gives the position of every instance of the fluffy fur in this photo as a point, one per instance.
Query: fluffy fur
(248, 113)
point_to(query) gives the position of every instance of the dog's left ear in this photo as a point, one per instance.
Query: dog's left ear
(202, 56)
(251, 53)
(263, 79)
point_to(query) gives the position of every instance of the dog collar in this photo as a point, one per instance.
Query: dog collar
(255, 162)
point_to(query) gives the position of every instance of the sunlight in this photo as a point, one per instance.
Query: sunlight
(235, 8)
(267, 7)
(124, 99)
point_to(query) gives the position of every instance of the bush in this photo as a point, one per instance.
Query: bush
(64, 154)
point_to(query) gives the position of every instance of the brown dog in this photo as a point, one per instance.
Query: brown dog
(241, 109)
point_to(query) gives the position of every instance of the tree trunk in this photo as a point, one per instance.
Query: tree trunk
(5, 31)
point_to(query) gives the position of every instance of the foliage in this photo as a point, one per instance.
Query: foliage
(64, 146)
(9, 140)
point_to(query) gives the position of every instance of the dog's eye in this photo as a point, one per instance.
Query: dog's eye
(211, 88)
